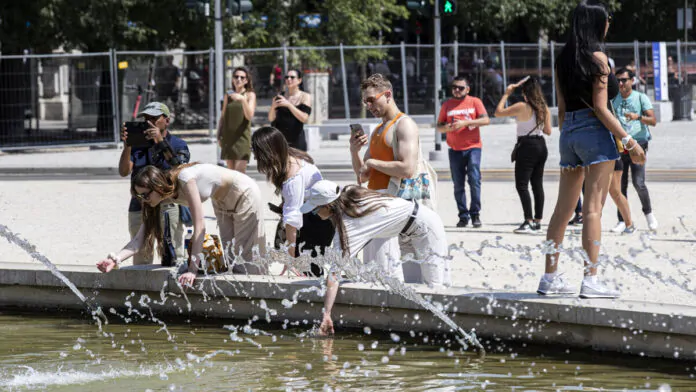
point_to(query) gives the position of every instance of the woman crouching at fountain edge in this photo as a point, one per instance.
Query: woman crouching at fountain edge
(237, 203)
(361, 215)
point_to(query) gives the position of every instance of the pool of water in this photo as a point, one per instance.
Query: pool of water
(68, 353)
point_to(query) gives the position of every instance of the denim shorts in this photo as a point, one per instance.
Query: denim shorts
(585, 140)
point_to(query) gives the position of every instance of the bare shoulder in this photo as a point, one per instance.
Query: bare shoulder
(306, 99)
(407, 125)
(599, 55)
(603, 59)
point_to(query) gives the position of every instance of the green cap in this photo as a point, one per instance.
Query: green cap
(155, 109)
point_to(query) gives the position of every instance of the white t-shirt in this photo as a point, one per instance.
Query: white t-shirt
(294, 190)
(386, 222)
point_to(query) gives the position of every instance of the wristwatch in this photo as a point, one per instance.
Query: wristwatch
(625, 140)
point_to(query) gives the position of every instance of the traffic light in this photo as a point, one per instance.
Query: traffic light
(449, 7)
(239, 7)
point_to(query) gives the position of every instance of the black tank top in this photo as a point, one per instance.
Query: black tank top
(291, 127)
(580, 92)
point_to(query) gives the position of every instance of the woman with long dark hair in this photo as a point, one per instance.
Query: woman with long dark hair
(292, 172)
(533, 121)
(588, 150)
(237, 203)
(289, 113)
(361, 215)
(234, 129)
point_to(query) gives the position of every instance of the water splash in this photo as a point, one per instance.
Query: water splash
(31, 250)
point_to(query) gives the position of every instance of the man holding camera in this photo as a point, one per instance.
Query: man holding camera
(164, 151)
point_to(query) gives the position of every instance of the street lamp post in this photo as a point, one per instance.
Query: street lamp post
(437, 154)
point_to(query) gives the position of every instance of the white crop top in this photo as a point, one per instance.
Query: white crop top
(294, 190)
(525, 127)
(208, 178)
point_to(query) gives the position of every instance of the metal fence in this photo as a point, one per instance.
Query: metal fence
(79, 99)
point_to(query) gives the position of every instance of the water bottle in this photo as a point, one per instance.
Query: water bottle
(187, 241)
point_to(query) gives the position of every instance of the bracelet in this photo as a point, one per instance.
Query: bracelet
(112, 256)
(634, 146)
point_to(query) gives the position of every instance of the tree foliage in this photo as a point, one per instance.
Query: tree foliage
(89, 25)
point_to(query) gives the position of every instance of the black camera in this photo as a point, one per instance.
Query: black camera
(136, 134)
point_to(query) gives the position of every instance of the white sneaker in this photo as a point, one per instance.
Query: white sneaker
(555, 286)
(596, 289)
(652, 221)
(619, 228)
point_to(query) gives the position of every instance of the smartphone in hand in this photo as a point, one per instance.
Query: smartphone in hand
(356, 130)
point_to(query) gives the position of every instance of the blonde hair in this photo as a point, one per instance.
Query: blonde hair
(376, 81)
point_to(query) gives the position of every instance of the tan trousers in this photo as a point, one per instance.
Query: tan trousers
(240, 220)
(135, 219)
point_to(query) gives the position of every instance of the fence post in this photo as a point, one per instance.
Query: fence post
(114, 93)
(344, 81)
(502, 61)
(636, 59)
(285, 58)
(679, 58)
(553, 73)
(456, 58)
(404, 76)
(540, 58)
(211, 95)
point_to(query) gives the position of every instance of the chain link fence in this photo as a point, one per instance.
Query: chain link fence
(56, 100)
(79, 99)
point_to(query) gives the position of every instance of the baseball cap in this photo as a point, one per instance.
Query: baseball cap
(321, 193)
(155, 109)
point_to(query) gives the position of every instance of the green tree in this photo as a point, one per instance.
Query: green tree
(28, 25)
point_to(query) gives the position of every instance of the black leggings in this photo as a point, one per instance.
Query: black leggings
(529, 167)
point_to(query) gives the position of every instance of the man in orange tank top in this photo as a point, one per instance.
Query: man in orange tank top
(460, 118)
(379, 164)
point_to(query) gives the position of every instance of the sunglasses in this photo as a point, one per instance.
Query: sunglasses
(240, 77)
(459, 88)
(372, 100)
(290, 77)
(623, 80)
(144, 196)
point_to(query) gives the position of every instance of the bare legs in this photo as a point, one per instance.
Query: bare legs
(597, 179)
(619, 199)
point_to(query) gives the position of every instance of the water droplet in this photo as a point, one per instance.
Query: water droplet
(395, 338)
(385, 359)
(308, 366)
(367, 330)
(361, 347)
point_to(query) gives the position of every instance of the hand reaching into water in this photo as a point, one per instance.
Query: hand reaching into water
(326, 327)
